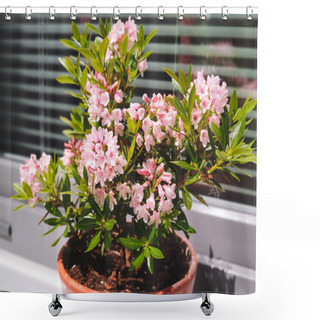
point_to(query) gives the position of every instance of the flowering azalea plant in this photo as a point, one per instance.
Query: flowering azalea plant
(129, 159)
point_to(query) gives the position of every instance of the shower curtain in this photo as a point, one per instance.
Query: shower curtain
(127, 162)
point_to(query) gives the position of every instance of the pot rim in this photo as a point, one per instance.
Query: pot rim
(79, 288)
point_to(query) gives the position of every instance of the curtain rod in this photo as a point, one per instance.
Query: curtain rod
(160, 11)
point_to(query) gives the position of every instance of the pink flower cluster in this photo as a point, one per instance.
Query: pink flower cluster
(213, 97)
(100, 156)
(161, 196)
(118, 32)
(99, 99)
(30, 169)
(71, 151)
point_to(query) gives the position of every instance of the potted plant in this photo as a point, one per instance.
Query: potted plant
(121, 186)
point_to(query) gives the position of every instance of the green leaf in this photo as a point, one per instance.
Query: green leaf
(150, 264)
(107, 239)
(233, 104)
(187, 200)
(224, 128)
(93, 28)
(56, 242)
(53, 221)
(217, 133)
(238, 132)
(69, 43)
(197, 196)
(85, 174)
(70, 66)
(137, 261)
(146, 252)
(193, 179)
(84, 78)
(87, 53)
(149, 37)
(156, 253)
(131, 243)
(19, 197)
(191, 100)
(66, 199)
(183, 80)
(178, 86)
(171, 74)
(103, 48)
(191, 152)
(76, 176)
(189, 74)
(27, 189)
(20, 207)
(18, 187)
(75, 31)
(95, 207)
(110, 224)
(97, 65)
(184, 165)
(212, 144)
(94, 241)
(66, 79)
(86, 224)
(102, 28)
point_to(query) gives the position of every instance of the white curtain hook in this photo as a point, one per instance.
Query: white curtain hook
(93, 14)
(52, 10)
(180, 13)
(7, 10)
(115, 16)
(160, 15)
(73, 12)
(224, 13)
(249, 16)
(28, 12)
(138, 16)
(203, 13)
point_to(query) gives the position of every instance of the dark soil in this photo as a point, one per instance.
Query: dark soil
(109, 273)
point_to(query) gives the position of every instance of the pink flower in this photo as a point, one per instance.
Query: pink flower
(112, 201)
(147, 123)
(118, 96)
(196, 117)
(104, 98)
(142, 66)
(155, 218)
(120, 163)
(118, 129)
(116, 115)
(166, 176)
(139, 140)
(145, 98)
(100, 195)
(124, 190)
(160, 168)
(142, 213)
(151, 202)
(148, 141)
(157, 132)
(215, 118)
(165, 206)
(110, 173)
(204, 137)
(160, 191)
(170, 191)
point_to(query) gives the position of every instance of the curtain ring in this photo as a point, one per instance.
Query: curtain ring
(93, 15)
(224, 13)
(51, 13)
(28, 12)
(203, 13)
(73, 12)
(115, 16)
(7, 10)
(160, 15)
(138, 17)
(180, 13)
(249, 16)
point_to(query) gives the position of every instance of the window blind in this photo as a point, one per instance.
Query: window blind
(31, 100)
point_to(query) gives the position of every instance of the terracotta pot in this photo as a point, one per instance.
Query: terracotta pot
(185, 285)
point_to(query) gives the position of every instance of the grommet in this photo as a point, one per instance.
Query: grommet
(224, 13)
(28, 12)
(73, 12)
(7, 10)
(249, 16)
(138, 17)
(51, 13)
(180, 13)
(203, 13)
(160, 15)
(92, 14)
(115, 16)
